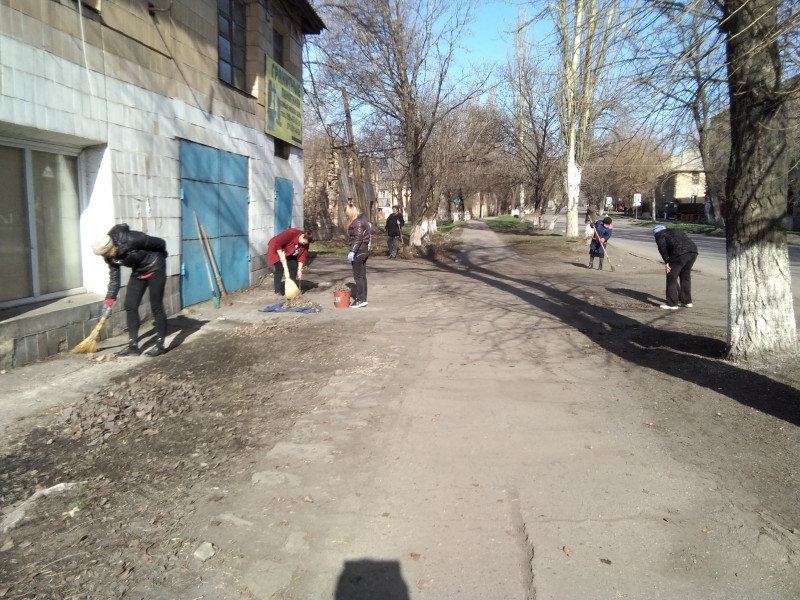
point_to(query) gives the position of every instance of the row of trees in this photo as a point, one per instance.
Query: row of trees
(627, 83)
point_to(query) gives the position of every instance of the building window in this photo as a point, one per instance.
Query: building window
(232, 42)
(282, 149)
(39, 224)
(277, 48)
(696, 178)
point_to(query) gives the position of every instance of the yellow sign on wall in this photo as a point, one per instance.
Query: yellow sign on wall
(284, 105)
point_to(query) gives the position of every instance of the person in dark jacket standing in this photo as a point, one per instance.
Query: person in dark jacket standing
(360, 233)
(394, 225)
(679, 253)
(146, 256)
(602, 232)
(288, 252)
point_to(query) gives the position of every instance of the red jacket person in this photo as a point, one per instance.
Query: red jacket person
(288, 252)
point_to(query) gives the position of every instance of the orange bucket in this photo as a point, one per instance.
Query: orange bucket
(341, 299)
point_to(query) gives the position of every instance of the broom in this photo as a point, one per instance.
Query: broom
(605, 251)
(403, 251)
(89, 345)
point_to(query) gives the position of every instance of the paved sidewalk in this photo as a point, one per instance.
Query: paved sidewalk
(481, 447)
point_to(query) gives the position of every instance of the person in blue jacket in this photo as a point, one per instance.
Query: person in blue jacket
(602, 232)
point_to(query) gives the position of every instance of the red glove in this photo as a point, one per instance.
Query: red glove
(108, 301)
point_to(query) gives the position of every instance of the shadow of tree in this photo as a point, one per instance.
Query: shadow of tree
(691, 357)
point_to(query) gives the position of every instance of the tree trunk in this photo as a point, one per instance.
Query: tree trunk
(761, 317)
(573, 188)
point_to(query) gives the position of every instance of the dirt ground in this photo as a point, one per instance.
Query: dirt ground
(134, 458)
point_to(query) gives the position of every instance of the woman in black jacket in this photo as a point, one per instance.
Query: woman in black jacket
(360, 234)
(146, 256)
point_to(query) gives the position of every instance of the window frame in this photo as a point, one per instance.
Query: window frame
(28, 148)
(236, 57)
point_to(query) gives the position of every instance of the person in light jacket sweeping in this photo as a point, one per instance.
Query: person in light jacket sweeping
(360, 233)
(146, 256)
(679, 253)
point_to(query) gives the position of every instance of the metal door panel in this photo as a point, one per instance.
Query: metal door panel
(283, 204)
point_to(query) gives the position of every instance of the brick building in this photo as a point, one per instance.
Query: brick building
(146, 113)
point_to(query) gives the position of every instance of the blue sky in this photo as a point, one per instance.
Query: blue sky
(491, 39)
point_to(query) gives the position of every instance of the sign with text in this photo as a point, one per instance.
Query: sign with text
(637, 199)
(609, 201)
(284, 105)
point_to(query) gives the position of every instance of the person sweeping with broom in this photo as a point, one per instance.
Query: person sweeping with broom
(597, 249)
(288, 252)
(146, 256)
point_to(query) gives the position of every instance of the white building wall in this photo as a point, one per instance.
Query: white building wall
(131, 139)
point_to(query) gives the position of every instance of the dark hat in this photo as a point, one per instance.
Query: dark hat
(607, 220)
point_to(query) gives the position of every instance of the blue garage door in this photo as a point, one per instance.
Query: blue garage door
(284, 192)
(214, 186)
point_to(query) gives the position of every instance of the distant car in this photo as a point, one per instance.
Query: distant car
(620, 208)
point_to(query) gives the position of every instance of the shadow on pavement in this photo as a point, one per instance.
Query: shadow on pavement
(693, 358)
(371, 580)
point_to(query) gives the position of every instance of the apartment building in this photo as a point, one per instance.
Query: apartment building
(146, 113)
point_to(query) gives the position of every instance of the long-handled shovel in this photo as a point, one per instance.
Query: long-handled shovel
(605, 250)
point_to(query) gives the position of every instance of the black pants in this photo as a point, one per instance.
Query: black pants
(136, 289)
(679, 279)
(278, 278)
(360, 276)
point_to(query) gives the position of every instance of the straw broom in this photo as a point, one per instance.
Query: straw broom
(89, 345)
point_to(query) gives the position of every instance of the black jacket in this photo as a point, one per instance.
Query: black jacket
(394, 222)
(360, 232)
(138, 251)
(674, 242)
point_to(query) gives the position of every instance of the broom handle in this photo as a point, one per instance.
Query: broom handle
(605, 250)
(214, 266)
(205, 256)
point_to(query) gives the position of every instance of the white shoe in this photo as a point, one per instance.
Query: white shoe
(360, 304)
(668, 307)
(687, 305)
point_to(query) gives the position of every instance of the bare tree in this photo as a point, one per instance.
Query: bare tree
(535, 125)
(586, 32)
(761, 319)
(395, 57)
(684, 62)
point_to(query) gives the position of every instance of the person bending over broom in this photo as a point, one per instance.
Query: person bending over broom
(146, 256)
(288, 252)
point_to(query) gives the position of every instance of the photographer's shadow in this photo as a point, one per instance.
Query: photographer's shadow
(371, 580)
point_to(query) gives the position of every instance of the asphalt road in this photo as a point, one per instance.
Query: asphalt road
(711, 257)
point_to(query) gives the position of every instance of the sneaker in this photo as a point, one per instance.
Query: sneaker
(129, 350)
(668, 307)
(687, 305)
(360, 304)
(156, 351)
